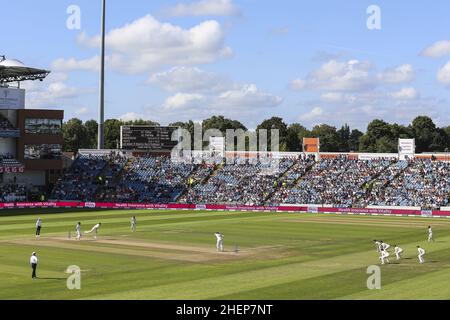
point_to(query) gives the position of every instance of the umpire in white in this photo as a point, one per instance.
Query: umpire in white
(34, 263)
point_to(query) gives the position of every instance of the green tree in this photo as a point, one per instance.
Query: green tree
(112, 133)
(221, 123)
(386, 145)
(354, 140)
(294, 137)
(329, 138)
(376, 130)
(75, 136)
(140, 122)
(92, 132)
(344, 137)
(424, 131)
(274, 123)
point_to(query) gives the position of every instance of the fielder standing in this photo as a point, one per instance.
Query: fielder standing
(430, 234)
(421, 252)
(219, 244)
(133, 223)
(78, 229)
(38, 227)
(33, 263)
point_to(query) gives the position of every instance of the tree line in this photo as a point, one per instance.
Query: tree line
(380, 136)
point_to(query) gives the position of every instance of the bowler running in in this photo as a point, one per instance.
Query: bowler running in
(94, 229)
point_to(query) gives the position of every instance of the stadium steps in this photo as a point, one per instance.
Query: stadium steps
(114, 181)
(370, 183)
(217, 169)
(279, 183)
(295, 183)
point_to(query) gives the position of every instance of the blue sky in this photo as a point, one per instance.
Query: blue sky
(307, 61)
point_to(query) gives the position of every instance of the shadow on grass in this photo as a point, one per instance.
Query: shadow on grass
(59, 279)
(35, 211)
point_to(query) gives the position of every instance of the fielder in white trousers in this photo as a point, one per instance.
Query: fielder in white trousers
(430, 234)
(219, 243)
(384, 256)
(398, 252)
(78, 229)
(421, 254)
(94, 229)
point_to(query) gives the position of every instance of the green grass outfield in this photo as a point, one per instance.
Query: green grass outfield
(172, 256)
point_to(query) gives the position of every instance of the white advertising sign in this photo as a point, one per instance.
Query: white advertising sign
(11, 98)
(406, 148)
(217, 145)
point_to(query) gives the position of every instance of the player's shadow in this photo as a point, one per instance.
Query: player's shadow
(59, 279)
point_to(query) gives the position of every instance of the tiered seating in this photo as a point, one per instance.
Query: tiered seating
(241, 182)
(337, 182)
(80, 183)
(422, 183)
(150, 179)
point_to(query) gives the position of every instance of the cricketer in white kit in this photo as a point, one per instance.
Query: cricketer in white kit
(385, 246)
(384, 256)
(94, 229)
(133, 223)
(377, 245)
(78, 229)
(398, 252)
(219, 244)
(421, 252)
(430, 234)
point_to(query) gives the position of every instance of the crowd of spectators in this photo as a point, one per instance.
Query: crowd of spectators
(12, 192)
(82, 180)
(339, 182)
(149, 179)
(240, 181)
(421, 182)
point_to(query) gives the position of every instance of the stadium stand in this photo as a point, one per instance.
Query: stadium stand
(419, 182)
(11, 192)
(239, 183)
(339, 182)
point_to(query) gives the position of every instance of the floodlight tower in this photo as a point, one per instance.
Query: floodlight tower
(101, 108)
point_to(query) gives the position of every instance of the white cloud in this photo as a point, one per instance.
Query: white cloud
(82, 111)
(242, 102)
(205, 8)
(54, 92)
(314, 114)
(332, 97)
(91, 64)
(400, 74)
(407, 93)
(352, 75)
(248, 96)
(130, 116)
(443, 75)
(184, 100)
(147, 44)
(437, 49)
(196, 88)
(298, 84)
(189, 79)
